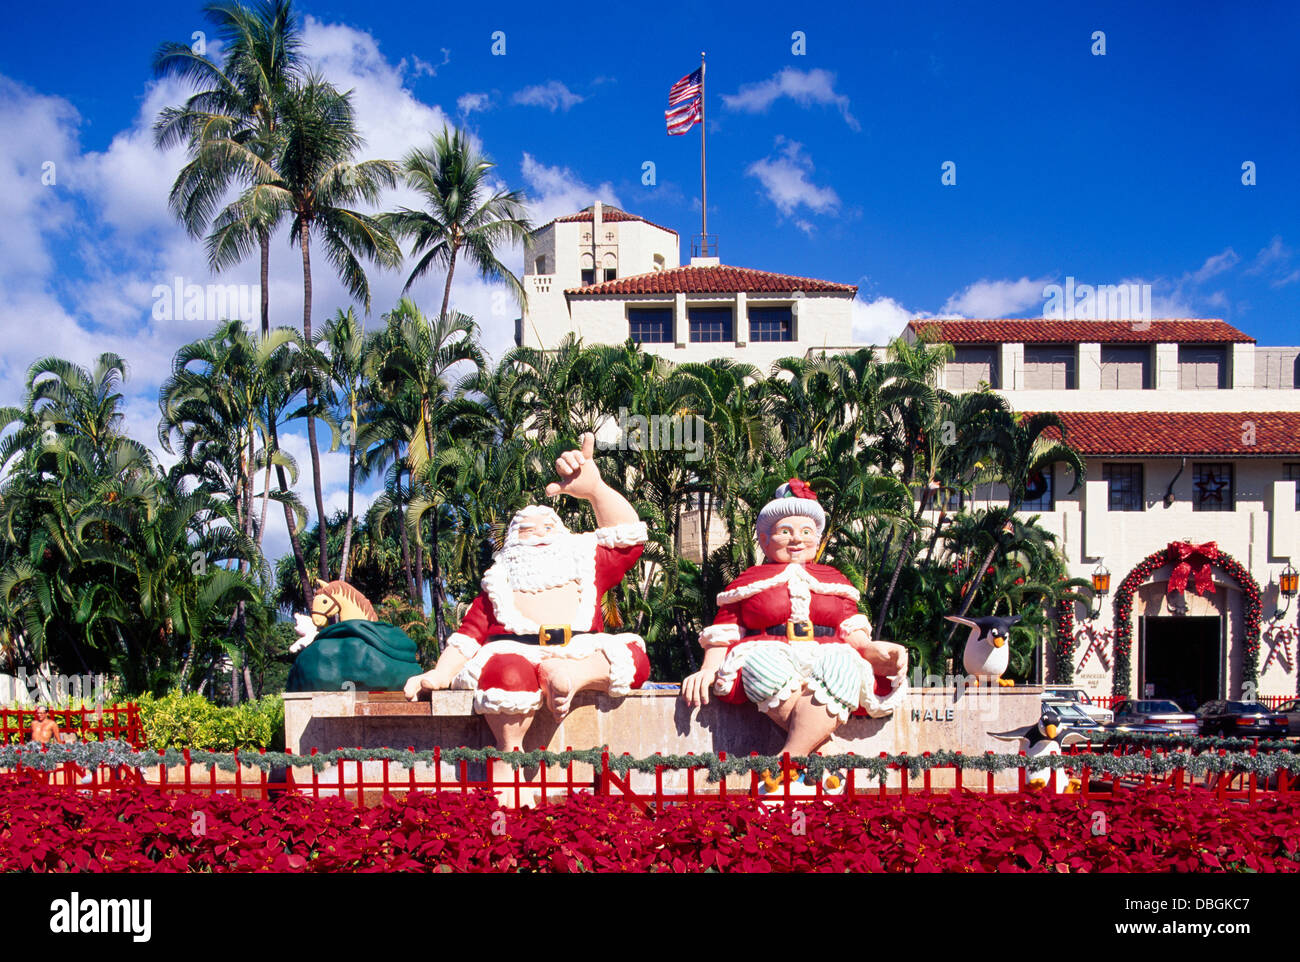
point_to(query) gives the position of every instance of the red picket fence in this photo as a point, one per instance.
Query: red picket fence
(1268, 701)
(350, 780)
(107, 723)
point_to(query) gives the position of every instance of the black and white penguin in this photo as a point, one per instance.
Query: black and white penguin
(987, 654)
(1045, 737)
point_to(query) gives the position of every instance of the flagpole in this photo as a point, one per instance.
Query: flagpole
(704, 182)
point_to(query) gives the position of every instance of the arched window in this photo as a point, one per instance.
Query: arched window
(609, 267)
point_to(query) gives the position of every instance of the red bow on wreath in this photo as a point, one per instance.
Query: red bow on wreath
(1192, 560)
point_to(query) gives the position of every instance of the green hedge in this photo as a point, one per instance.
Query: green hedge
(191, 721)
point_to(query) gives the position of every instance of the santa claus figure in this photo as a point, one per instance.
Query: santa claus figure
(535, 634)
(789, 636)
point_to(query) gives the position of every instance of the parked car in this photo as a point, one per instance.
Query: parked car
(1154, 715)
(1292, 711)
(1241, 719)
(1102, 716)
(1075, 717)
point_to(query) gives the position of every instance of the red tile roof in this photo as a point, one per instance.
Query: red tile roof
(608, 214)
(1039, 331)
(1183, 433)
(719, 279)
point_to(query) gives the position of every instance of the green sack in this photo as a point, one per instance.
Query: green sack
(373, 655)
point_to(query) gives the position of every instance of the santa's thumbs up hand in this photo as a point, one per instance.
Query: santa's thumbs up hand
(579, 476)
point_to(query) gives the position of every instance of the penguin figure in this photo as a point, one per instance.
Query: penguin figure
(1043, 738)
(987, 653)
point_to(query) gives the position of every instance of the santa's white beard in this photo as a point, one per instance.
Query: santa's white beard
(548, 564)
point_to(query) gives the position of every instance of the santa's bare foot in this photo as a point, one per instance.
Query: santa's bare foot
(559, 685)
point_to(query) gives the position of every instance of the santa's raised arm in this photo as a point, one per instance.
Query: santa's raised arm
(535, 634)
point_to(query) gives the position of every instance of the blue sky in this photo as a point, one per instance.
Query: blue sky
(1125, 167)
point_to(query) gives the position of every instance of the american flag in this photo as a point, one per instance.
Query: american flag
(685, 106)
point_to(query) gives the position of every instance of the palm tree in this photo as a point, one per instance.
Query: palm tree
(1023, 448)
(461, 214)
(419, 355)
(313, 178)
(237, 108)
(351, 357)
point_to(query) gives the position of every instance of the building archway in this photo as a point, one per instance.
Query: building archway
(1189, 568)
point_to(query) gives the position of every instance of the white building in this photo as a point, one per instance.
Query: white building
(1191, 432)
(607, 275)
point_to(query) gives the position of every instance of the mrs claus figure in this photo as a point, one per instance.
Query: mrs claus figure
(789, 636)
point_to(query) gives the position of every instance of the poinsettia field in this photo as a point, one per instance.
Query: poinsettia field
(149, 831)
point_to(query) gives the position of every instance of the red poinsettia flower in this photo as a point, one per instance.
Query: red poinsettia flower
(801, 490)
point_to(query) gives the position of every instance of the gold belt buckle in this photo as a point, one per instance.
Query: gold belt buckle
(543, 634)
(792, 632)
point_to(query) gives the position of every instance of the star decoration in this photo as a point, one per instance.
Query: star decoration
(1211, 487)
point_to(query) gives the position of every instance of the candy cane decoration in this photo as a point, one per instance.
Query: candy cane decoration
(1279, 639)
(1098, 641)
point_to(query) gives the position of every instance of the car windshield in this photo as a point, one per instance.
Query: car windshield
(1248, 708)
(1071, 712)
(1067, 694)
(1156, 708)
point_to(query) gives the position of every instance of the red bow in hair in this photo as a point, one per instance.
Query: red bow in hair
(1192, 560)
(801, 490)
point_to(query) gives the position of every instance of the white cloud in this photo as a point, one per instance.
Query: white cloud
(879, 321)
(784, 177)
(1216, 264)
(469, 103)
(1275, 259)
(803, 87)
(555, 191)
(1001, 298)
(552, 95)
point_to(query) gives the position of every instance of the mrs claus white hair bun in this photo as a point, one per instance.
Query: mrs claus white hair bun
(792, 499)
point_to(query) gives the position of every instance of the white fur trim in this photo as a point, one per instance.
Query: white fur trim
(579, 646)
(623, 535)
(876, 706)
(499, 701)
(496, 582)
(463, 643)
(622, 669)
(719, 636)
(793, 575)
(854, 623)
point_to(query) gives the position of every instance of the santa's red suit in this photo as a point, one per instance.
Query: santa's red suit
(503, 673)
(784, 627)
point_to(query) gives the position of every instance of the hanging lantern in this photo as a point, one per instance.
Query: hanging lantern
(1100, 589)
(1288, 581)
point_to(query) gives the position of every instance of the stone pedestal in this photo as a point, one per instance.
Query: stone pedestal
(657, 720)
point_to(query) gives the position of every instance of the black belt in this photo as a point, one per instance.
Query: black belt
(793, 631)
(548, 636)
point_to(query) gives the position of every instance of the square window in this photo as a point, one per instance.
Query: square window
(771, 324)
(1291, 472)
(711, 324)
(611, 273)
(1039, 493)
(588, 276)
(653, 325)
(1212, 488)
(950, 499)
(1123, 486)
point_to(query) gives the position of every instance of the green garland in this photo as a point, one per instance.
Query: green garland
(95, 754)
(1200, 741)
